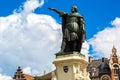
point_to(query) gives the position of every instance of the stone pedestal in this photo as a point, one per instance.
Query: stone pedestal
(71, 67)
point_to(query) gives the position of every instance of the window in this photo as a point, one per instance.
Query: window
(90, 74)
(116, 70)
(19, 77)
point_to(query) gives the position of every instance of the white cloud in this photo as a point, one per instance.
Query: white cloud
(103, 41)
(4, 77)
(116, 22)
(31, 5)
(35, 42)
(85, 49)
(28, 70)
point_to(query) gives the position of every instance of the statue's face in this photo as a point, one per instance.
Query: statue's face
(73, 9)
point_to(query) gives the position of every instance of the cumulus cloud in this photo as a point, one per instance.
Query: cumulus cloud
(31, 5)
(4, 77)
(102, 42)
(34, 41)
(28, 70)
(85, 49)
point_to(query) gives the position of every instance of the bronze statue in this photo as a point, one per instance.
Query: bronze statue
(73, 30)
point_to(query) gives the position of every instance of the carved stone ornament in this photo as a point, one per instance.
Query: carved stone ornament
(105, 77)
(65, 68)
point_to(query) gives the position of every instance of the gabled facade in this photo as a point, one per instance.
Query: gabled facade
(19, 75)
(114, 65)
(105, 69)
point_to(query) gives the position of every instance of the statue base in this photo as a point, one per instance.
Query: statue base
(71, 66)
(67, 53)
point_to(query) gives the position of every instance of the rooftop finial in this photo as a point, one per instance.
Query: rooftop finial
(18, 67)
(114, 50)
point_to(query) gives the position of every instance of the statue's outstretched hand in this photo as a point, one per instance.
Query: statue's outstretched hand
(51, 8)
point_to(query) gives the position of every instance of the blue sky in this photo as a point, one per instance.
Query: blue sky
(29, 31)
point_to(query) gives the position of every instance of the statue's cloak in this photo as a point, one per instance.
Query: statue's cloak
(80, 31)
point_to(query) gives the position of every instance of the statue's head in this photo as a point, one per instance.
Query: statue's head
(74, 9)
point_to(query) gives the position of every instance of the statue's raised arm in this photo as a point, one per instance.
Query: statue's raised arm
(58, 11)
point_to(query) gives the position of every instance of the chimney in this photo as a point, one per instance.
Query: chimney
(103, 59)
(90, 59)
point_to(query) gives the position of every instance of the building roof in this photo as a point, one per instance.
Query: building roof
(97, 67)
(47, 76)
(28, 77)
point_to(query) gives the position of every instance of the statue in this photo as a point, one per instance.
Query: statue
(73, 30)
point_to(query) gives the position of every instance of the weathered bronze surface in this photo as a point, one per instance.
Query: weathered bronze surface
(73, 30)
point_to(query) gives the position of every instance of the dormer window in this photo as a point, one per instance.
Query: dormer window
(19, 76)
(116, 70)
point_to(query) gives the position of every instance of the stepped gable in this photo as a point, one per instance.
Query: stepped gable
(19, 75)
